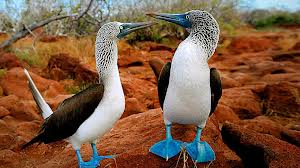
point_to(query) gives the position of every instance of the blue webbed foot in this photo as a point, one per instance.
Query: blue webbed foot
(97, 159)
(200, 151)
(83, 164)
(167, 148)
(88, 164)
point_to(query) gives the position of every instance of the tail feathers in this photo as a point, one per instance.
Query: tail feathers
(43, 106)
(34, 140)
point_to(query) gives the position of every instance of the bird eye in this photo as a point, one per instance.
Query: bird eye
(187, 16)
(121, 27)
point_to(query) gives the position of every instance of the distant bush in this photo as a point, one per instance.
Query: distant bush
(225, 12)
(29, 56)
(73, 89)
(2, 72)
(262, 19)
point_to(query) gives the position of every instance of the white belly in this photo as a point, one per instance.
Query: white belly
(104, 117)
(189, 105)
(188, 98)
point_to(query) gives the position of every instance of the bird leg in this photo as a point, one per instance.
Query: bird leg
(200, 151)
(83, 164)
(94, 162)
(167, 148)
(97, 158)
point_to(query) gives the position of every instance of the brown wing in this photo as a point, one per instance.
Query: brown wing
(163, 83)
(216, 88)
(69, 115)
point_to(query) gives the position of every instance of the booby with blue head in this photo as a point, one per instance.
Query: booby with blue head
(92, 112)
(188, 89)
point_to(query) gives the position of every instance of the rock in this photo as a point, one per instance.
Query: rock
(9, 158)
(164, 55)
(285, 77)
(291, 136)
(58, 74)
(15, 83)
(282, 99)
(63, 61)
(156, 64)
(260, 150)
(8, 61)
(19, 142)
(271, 67)
(138, 71)
(130, 58)
(70, 67)
(293, 127)
(296, 46)
(224, 113)
(286, 56)
(1, 91)
(145, 92)
(251, 44)
(85, 73)
(25, 111)
(131, 139)
(132, 106)
(55, 101)
(151, 46)
(228, 82)
(11, 122)
(256, 87)
(6, 141)
(9, 102)
(52, 38)
(27, 130)
(264, 125)
(54, 90)
(3, 112)
(4, 128)
(242, 78)
(242, 101)
(137, 153)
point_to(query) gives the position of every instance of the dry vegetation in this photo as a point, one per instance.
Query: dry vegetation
(83, 47)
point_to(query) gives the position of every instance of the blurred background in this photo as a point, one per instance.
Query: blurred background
(258, 57)
(232, 15)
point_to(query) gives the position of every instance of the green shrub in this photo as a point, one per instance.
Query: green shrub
(77, 87)
(274, 18)
(29, 56)
(2, 72)
(73, 89)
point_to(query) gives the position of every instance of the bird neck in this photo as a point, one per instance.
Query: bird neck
(112, 82)
(206, 37)
(106, 57)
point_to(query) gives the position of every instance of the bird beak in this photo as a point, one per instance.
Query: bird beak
(180, 19)
(131, 27)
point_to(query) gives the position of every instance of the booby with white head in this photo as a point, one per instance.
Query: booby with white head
(188, 89)
(92, 112)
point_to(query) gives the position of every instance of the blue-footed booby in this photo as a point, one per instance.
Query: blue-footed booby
(92, 112)
(188, 89)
